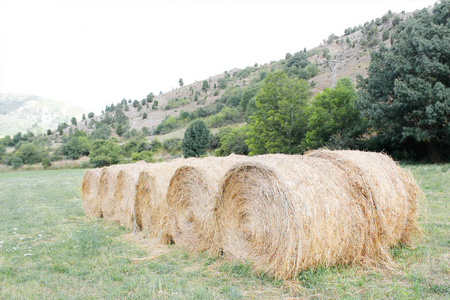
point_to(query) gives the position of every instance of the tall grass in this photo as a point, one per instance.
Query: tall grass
(50, 249)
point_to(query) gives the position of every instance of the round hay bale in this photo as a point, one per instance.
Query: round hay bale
(124, 194)
(89, 191)
(108, 205)
(191, 200)
(288, 213)
(391, 190)
(149, 201)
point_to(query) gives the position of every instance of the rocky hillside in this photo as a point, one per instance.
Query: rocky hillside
(350, 53)
(24, 113)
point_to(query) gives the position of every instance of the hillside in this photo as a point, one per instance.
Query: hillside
(19, 112)
(351, 51)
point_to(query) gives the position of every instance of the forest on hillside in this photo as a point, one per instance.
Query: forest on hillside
(402, 108)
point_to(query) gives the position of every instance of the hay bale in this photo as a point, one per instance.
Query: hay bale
(89, 191)
(289, 213)
(151, 191)
(125, 192)
(391, 190)
(191, 200)
(107, 186)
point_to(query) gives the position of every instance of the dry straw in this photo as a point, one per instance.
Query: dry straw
(107, 186)
(392, 191)
(125, 192)
(191, 200)
(89, 191)
(289, 213)
(149, 201)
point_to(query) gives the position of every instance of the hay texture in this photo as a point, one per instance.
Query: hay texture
(105, 195)
(125, 192)
(89, 191)
(390, 192)
(191, 197)
(151, 190)
(289, 213)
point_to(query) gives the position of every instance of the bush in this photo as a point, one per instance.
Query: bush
(223, 83)
(233, 141)
(144, 155)
(29, 154)
(227, 116)
(46, 163)
(77, 146)
(104, 153)
(172, 145)
(16, 162)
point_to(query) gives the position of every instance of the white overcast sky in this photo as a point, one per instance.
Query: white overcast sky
(94, 53)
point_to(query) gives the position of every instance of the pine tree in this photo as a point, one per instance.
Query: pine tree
(196, 139)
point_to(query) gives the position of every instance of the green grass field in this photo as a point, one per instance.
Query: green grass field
(50, 249)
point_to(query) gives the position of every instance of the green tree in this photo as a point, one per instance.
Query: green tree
(144, 155)
(102, 132)
(2, 150)
(104, 153)
(180, 81)
(279, 123)
(406, 95)
(90, 115)
(233, 141)
(73, 121)
(29, 153)
(334, 122)
(46, 163)
(16, 162)
(155, 105)
(205, 86)
(196, 139)
(150, 97)
(120, 129)
(76, 147)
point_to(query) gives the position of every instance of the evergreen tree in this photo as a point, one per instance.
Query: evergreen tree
(205, 86)
(406, 96)
(196, 139)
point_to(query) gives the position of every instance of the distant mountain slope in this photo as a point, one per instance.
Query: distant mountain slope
(19, 112)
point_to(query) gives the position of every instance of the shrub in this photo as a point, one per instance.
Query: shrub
(46, 163)
(144, 155)
(172, 145)
(104, 153)
(29, 153)
(16, 162)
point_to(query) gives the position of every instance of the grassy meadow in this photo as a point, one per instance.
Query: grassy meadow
(50, 249)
